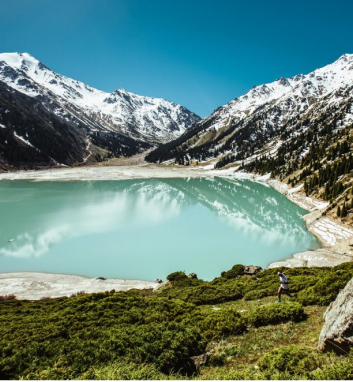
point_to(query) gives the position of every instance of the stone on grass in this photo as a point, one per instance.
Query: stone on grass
(337, 332)
(252, 269)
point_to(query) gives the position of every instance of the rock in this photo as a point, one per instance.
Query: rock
(101, 278)
(159, 281)
(252, 269)
(337, 332)
(192, 276)
(200, 360)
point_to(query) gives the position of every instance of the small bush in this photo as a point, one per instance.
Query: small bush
(337, 369)
(259, 293)
(222, 323)
(177, 276)
(205, 293)
(237, 270)
(80, 293)
(276, 313)
(8, 297)
(326, 288)
(293, 360)
(125, 371)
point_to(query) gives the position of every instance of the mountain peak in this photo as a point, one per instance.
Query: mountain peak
(346, 57)
(144, 117)
(17, 60)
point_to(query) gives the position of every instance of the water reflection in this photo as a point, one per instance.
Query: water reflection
(41, 216)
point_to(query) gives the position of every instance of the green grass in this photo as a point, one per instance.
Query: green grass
(141, 335)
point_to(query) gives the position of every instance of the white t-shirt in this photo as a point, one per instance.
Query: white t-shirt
(285, 280)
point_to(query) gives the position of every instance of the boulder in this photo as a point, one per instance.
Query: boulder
(192, 276)
(159, 281)
(200, 360)
(337, 332)
(252, 269)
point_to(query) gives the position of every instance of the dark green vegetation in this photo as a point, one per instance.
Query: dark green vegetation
(326, 169)
(145, 335)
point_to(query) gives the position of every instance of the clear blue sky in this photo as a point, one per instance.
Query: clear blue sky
(199, 53)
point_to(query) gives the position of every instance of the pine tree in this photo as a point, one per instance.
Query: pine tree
(344, 211)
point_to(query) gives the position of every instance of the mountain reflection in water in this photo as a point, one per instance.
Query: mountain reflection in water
(146, 228)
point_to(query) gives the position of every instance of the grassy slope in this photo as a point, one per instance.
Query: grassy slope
(141, 335)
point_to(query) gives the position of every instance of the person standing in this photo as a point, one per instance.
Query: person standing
(284, 287)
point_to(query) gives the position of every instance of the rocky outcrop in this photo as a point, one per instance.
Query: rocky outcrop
(192, 276)
(337, 332)
(252, 269)
(200, 360)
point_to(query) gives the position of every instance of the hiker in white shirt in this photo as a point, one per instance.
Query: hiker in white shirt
(284, 287)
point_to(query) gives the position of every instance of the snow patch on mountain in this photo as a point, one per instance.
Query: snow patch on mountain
(146, 117)
(292, 95)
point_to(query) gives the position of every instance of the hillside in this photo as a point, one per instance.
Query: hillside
(297, 129)
(231, 321)
(105, 125)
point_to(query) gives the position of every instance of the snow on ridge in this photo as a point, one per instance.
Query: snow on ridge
(318, 83)
(152, 116)
(23, 139)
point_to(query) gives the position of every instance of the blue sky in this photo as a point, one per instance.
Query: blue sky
(199, 53)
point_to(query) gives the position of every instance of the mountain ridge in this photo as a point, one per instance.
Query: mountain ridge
(117, 123)
(298, 129)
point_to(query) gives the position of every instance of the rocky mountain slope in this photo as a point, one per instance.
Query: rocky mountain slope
(297, 129)
(106, 124)
(254, 122)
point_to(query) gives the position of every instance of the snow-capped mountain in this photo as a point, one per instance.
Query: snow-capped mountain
(121, 123)
(251, 125)
(299, 89)
(144, 117)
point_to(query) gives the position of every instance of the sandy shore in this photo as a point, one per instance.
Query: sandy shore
(336, 239)
(35, 285)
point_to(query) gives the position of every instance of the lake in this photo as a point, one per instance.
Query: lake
(146, 228)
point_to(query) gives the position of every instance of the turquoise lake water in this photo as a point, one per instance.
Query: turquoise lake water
(147, 228)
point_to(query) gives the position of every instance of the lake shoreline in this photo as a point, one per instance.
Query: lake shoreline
(41, 285)
(334, 238)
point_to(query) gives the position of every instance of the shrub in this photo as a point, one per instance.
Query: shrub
(80, 293)
(294, 360)
(337, 369)
(237, 270)
(299, 362)
(326, 288)
(125, 371)
(63, 338)
(259, 293)
(8, 297)
(222, 323)
(276, 313)
(205, 293)
(168, 346)
(177, 276)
